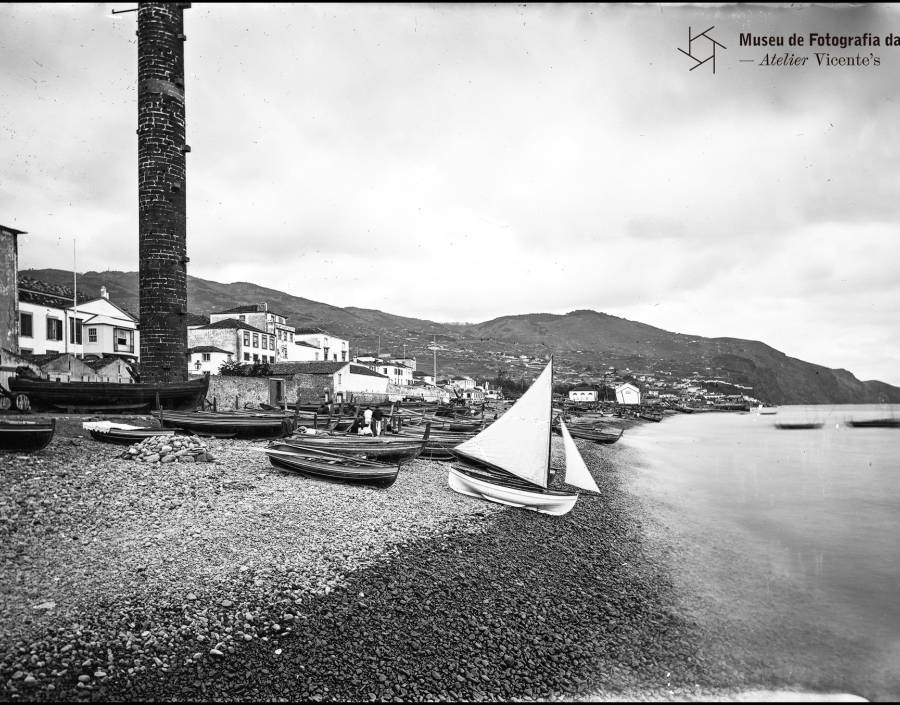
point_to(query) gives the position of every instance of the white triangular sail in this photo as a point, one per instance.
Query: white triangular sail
(519, 441)
(577, 473)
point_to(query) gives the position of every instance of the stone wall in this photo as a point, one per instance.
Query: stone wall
(247, 390)
(161, 192)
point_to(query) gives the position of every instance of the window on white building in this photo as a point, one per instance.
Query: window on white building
(92, 335)
(206, 357)
(75, 331)
(25, 325)
(54, 329)
(246, 339)
(246, 357)
(255, 341)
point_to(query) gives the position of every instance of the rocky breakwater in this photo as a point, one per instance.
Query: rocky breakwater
(168, 449)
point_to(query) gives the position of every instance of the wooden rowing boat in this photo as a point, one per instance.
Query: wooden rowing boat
(332, 466)
(229, 423)
(590, 433)
(400, 448)
(26, 436)
(129, 436)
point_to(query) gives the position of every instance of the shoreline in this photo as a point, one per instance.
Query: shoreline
(231, 579)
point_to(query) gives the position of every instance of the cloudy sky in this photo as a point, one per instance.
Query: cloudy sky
(462, 162)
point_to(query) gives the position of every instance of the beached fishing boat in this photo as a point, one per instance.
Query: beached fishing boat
(440, 444)
(509, 462)
(875, 423)
(799, 426)
(125, 434)
(331, 466)
(654, 416)
(26, 436)
(589, 433)
(399, 448)
(45, 394)
(229, 423)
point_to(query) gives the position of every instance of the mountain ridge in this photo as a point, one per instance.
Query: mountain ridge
(586, 343)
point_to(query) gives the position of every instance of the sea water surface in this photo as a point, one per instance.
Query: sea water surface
(786, 542)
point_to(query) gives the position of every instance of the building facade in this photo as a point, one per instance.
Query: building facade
(246, 343)
(330, 347)
(628, 394)
(51, 323)
(259, 316)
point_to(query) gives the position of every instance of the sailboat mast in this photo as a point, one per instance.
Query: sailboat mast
(550, 425)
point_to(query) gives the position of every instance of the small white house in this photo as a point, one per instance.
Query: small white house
(207, 358)
(584, 393)
(628, 394)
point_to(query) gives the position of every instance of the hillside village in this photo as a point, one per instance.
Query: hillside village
(70, 336)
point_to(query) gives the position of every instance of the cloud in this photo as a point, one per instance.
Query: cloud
(526, 158)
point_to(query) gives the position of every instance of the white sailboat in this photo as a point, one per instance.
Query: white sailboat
(509, 461)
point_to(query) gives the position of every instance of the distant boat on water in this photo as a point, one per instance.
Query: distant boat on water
(765, 409)
(799, 426)
(875, 423)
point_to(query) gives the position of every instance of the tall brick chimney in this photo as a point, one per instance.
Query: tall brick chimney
(161, 192)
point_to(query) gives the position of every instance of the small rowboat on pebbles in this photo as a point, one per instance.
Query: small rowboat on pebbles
(26, 436)
(330, 466)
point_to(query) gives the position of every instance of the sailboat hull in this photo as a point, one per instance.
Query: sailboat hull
(552, 502)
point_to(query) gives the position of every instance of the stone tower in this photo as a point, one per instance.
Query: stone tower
(9, 288)
(161, 192)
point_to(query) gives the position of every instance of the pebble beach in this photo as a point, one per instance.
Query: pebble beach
(232, 579)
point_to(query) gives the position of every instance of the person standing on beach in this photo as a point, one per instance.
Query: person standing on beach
(377, 419)
(367, 417)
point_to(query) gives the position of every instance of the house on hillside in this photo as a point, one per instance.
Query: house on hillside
(628, 394)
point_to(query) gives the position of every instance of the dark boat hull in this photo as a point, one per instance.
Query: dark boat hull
(225, 423)
(798, 426)
(875, 423)
(26, 436)
(102, 396)
(129, 436)
(381, 448)
(335, 469)
(590, 434)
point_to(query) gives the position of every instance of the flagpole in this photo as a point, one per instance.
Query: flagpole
(74, 297)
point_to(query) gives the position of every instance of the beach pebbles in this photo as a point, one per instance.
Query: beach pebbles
(169, 449)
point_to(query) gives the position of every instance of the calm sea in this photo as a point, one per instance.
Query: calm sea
(787, 542)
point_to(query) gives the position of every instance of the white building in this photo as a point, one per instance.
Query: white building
(330, 347)
(628, 394)
(50, 322)
(247, 343)
(584, 393)
(340, 378)
(462, 382)
(260, 317)
(207, 358)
